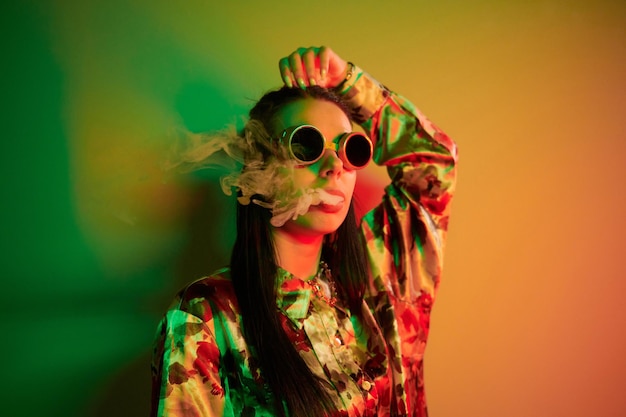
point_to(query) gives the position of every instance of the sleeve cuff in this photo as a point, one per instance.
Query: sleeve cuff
(364, 95)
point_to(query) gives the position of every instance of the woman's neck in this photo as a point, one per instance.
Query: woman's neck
(299, 255)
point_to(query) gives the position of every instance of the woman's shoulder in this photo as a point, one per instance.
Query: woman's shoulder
(207, 287)
(202, 297)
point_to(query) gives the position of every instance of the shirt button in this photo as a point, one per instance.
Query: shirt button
(338, 341)
(366, 385)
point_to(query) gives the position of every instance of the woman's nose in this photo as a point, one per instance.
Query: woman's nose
(331, 164)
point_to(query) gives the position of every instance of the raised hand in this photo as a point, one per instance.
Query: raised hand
(313, 66)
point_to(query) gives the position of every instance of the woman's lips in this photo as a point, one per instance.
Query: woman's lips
(332, 200)
(336, 192)
(329, 208)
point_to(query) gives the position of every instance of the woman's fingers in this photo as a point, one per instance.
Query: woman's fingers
(336, 67)
(312, 66)
(285, 72)
(295, 65)
(324, 57)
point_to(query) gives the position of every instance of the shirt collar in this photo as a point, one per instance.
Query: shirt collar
(293, 297)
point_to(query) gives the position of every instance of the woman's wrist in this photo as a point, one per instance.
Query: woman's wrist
(349, 74)
(364, 95)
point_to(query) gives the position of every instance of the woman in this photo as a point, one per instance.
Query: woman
(316, 316)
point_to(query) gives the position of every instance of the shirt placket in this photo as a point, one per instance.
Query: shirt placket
(336, 359)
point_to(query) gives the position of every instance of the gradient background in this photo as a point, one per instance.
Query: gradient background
(530, 319)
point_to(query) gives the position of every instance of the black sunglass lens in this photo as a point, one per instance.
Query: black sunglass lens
(358, 150)
(307, 144)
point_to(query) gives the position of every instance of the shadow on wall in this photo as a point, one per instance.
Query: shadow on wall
(126, 392)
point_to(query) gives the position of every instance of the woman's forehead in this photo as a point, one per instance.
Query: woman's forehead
(323, 114)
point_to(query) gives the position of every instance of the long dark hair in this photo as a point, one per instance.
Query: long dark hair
(253, 271)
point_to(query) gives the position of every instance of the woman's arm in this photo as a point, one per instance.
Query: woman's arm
(406, 233)
(420, 157)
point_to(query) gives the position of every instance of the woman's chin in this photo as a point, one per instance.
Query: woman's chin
(319, 220)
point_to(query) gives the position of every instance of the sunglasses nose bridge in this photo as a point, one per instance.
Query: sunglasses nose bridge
(329, 144)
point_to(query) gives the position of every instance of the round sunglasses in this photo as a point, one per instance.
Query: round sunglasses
(307, 145)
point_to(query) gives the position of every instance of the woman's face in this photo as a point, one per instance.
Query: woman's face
(328, 173)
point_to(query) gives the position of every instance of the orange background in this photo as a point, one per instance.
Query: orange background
(530, 318)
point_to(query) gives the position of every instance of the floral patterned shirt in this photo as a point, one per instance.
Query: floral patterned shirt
(373, 361)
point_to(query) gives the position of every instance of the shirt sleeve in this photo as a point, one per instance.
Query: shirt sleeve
(406, 233)
(185, 372)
